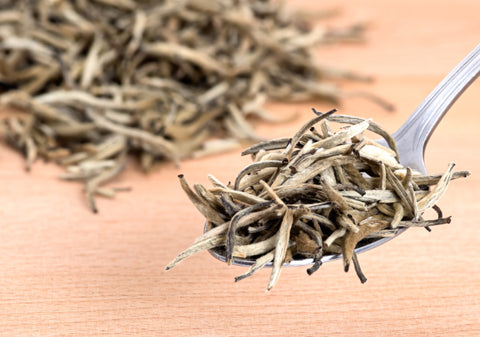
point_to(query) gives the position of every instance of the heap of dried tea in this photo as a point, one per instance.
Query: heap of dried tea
(163, 80)
(317, 193)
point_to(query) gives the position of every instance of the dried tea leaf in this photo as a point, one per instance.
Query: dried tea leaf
(320, 202)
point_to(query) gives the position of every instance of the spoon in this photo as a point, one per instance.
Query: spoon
(412, 137)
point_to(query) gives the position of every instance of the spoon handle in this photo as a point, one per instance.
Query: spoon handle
(414, 134)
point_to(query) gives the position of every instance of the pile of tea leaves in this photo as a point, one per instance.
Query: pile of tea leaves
(318, 195)
(97, 80)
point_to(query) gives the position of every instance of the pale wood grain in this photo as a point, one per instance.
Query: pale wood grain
(65, 271)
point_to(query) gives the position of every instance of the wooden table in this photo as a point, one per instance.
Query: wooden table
(65, 271)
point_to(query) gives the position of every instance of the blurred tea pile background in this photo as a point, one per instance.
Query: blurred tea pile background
(164, 80)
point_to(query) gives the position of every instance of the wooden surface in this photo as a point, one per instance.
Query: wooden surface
(65, 271)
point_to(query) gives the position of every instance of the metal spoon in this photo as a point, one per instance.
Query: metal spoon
(413, 135)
